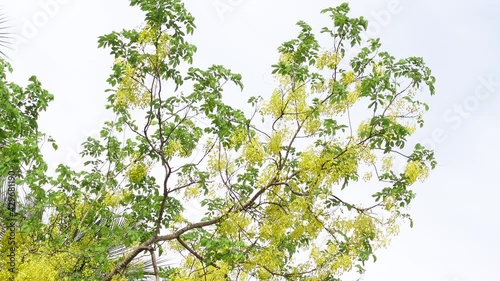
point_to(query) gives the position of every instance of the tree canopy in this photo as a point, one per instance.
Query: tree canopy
(182, 186)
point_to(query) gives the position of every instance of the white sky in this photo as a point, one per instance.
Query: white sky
(457, 222)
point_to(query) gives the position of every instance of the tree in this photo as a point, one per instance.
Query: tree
(271, 184)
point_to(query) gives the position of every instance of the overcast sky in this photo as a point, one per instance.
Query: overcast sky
(457, 219)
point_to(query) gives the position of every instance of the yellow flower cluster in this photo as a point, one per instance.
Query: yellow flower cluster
(348, 78)
(119, 278)
(253, 152)
(352, 97)
(37, 263)
(286, 57)
(276, 105)
(365, 154)
(363, 224)
(368, 176)
(329, 59)
(237, 138)
(318, 166)
(288, 102)
(312, 125)
(411, 129)
(130, 92)
(191, 192)
(174, 147)
(152, 36)
(342, 263)
(193, 270)
(339, 107)
(275, 226)
(387, 163)
(318, 87)
(137, 172)
(219, 162)
(310, 166)
(363, 129)
(112, 200)
(297, 99)
(276, 142)
(233, 225)
(415, 170)
(271, 257)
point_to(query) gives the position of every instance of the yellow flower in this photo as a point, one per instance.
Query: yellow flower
(137, 172)
(254, 152)
(328, 59)
(415, 170)
(348, 78)
(276, 142)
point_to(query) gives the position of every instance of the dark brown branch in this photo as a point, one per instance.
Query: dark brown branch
(186, 246)
(155, 265)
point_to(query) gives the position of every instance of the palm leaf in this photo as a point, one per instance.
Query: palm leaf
(5, 35)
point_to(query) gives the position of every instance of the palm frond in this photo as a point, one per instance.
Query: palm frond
(5, 35)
